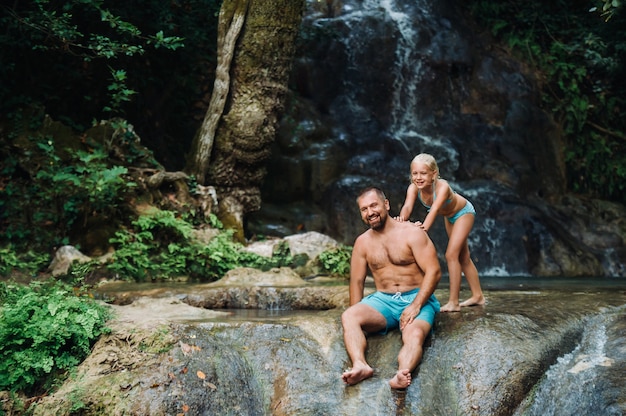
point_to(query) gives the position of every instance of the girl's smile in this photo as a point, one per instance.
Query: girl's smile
(421, 175)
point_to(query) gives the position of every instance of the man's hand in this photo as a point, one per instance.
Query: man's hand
(408, 315)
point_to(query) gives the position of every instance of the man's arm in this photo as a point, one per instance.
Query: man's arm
(358, 272)
(426, 258)
(425, 255)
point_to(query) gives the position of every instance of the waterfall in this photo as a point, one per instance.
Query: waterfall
(576, 383)
(391, 129)
(377, 82)
(406, 68)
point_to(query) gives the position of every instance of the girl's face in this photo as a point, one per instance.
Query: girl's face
(422, 175)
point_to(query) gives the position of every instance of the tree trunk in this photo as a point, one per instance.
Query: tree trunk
(231, 19)
(259, 76)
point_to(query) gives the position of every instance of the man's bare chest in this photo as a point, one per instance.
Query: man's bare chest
(386, 255)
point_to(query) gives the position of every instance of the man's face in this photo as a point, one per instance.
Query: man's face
(374, 210)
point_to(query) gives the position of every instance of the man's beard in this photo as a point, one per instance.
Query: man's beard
(378, 224)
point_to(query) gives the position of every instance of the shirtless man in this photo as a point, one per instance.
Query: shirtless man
(406, 271)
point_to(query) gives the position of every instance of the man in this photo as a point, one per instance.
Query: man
(406, 271)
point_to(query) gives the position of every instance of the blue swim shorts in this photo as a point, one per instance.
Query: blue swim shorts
(392, 305)
(467, 209)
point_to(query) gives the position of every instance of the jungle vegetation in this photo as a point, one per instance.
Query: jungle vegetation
(578, 50)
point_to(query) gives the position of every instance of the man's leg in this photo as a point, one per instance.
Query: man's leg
(355, 320)
(410, 355)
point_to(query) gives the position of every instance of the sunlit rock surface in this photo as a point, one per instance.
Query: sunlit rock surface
(536, 348)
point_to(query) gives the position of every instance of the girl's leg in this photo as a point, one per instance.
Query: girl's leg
(453, 253)
(459, 260)
(471, 274)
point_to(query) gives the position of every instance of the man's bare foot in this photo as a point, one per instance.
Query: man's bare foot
(401, 380)
(450, 307)
(357, 374)
(474, 301)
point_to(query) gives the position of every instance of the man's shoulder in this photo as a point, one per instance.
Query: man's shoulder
(365, 235)
(407, 226)
(362, 243)
(410, 230)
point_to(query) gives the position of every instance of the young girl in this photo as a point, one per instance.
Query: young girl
(439, 199)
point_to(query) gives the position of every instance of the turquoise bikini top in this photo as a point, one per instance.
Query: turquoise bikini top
(419, 196)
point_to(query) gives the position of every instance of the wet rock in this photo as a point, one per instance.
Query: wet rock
(63, 259)
(527, 350)
(247, 276)
(311, 243)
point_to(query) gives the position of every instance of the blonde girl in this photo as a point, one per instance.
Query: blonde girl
(439, 199)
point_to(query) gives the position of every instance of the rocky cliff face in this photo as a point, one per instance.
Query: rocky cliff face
(377, 82)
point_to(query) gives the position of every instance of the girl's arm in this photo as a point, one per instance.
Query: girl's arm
(407, 208)
(442, 191)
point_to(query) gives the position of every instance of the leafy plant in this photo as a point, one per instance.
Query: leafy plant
(120, 93)
(86, 30)
(70, 185)
(336, 260)
(46, 329)
(161, 246)
(87, 182)
(608, 9)
(27, 262)
(67, 57)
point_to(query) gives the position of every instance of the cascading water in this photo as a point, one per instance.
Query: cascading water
(378, 81)
(388, 120)
(579, 382)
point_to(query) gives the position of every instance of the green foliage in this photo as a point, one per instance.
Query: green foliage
(582, 60)
(84, 30)
(336, 261)
(87, 182)
(608, 9)
(151, 248)
(45, 331)
(90, 59)
(118, 90)
(28, 262)
(69, 186)
(78, 274)
(161, 246)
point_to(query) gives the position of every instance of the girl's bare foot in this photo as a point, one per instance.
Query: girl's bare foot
(450, 307)
(357, 374)
(474, 301)
(401, 380)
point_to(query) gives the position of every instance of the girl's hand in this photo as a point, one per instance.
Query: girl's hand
(420, 224)
(399, 218)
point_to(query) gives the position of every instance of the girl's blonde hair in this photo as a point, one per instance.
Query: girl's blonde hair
(429, 161)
